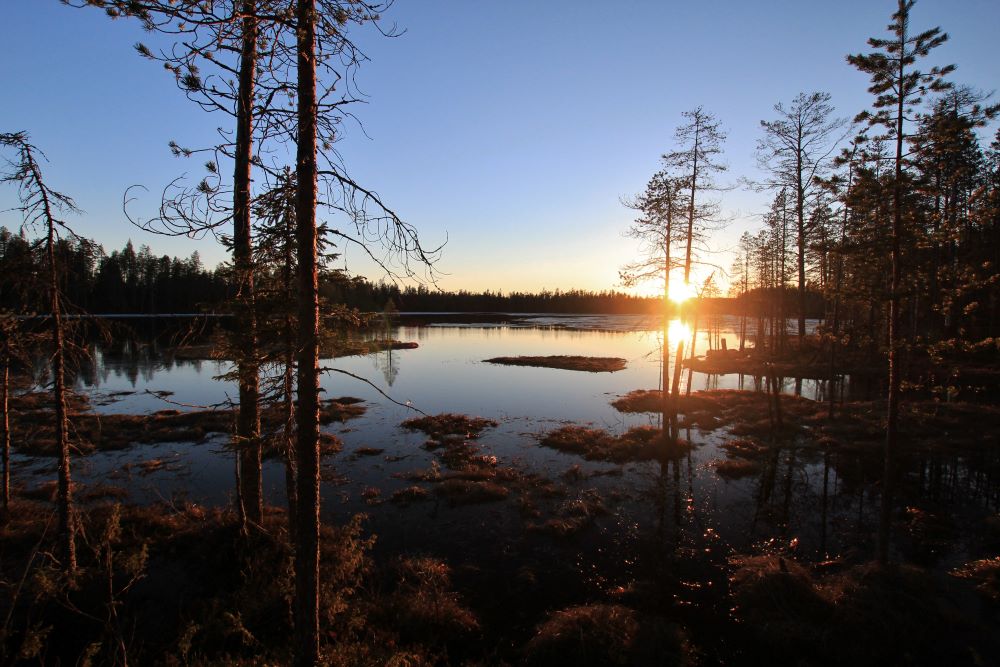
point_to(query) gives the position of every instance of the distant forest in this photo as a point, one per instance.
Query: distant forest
(138, 281)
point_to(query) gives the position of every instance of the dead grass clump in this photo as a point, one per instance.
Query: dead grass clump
(439, 426)
(866, 615)
(641, 443)
(736, 468)
(745, 448)
(410, 494)
(602, 634)
(777, 598)
(651, 400)
(424, 608)
(467, 492)
(904, 615)
(340, 409)
(573, 516)
(368, 451)
(565, 362)
(985, 574)
(372, 495)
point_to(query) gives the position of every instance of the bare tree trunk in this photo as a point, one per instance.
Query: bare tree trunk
(248, 419)
(5, 424)
(800, 215)
(307, 450)
(291, 469)
(691, 207)
(675, 391)
(67, 522)
(666, 314)
(694, 342)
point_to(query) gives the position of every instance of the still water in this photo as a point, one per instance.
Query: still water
(818, 504)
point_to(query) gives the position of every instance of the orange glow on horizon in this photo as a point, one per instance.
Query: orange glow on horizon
(681, 292)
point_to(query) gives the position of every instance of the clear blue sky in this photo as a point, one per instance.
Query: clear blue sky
(511, 127)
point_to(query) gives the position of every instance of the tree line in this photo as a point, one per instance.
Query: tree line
(130, 281)
(124, 281)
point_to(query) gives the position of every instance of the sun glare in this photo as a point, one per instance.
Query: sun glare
(681, 292)
(676, 332)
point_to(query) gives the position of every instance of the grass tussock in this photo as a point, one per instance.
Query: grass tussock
(867, 615)
(410, 494)
(736, 468)
(641, 443)
(33, 431)
(565, 362)
(572, 516)
(449, 424)
(425, 607)
(470, 492)
(603, 634)
(368, 451)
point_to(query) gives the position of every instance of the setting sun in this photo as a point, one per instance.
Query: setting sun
(681, 292)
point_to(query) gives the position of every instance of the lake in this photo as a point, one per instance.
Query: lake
(822, 505)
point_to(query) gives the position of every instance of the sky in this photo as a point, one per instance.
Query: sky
(512, 129)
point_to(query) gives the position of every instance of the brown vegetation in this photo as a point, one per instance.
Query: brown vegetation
(865, 615)
(438, 426)
(641, 443)
(33, 432)
(565, 362)
(572, 516)
(602, 634)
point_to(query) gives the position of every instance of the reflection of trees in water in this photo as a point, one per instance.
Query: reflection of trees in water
(387, 362)
(817, 503)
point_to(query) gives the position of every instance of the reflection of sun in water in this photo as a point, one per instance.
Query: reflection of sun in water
(680, 291)
(676, 332)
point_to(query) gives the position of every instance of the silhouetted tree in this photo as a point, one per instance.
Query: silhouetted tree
(898, 86)
(699, 143)
(795, 149)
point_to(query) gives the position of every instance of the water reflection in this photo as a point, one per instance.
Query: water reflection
(679, 516)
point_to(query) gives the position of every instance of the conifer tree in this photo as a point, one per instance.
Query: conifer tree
(40, 206)
(898, 85)
(795, 149)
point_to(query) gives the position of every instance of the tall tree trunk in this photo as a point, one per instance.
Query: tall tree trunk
(291, 469)
(888, 479)
(675, 391)
(5, 423)
(307, 444)
(248, 418)
(694, 186)
(800, 215)
(67, 522)
(666, 318)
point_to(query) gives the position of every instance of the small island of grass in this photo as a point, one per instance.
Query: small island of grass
(565, 362)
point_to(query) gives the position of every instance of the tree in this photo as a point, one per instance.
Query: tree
(40, 206)
(223, 36)
(898, 86)
(660, 204)
(306, 611)
(796, 149)
(699, 142)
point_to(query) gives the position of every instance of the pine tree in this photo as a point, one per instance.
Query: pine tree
(898, 86)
